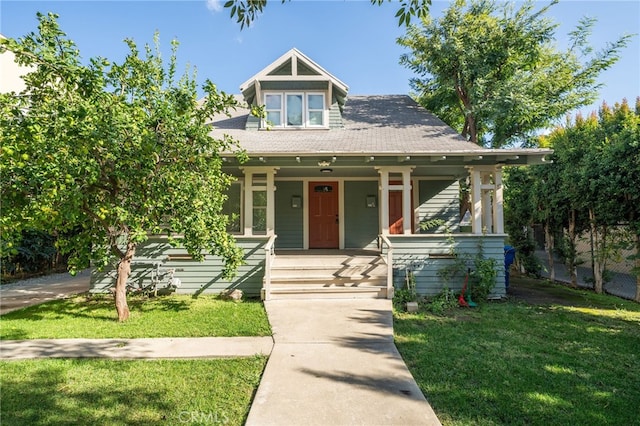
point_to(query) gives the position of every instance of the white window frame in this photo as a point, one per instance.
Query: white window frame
(240, 184)
(268, 123)
(309, 110)
(303, 112)
(306, 123)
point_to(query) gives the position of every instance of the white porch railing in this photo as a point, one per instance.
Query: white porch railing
(269, 256)
(384, 241)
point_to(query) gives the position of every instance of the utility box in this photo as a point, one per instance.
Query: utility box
(509, 258)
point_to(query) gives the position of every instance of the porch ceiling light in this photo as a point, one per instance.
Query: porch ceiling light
(323, 163)
(326, 170)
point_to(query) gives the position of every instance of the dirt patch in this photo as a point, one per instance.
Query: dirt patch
(539, 292)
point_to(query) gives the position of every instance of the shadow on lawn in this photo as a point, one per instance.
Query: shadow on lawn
(523, 364)
(49, 396)
(96, 308)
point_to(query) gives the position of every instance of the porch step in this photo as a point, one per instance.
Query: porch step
(328, 274)
(331, 292)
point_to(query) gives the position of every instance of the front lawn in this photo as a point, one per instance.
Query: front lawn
(106, 392)
(520, 363)
(169, 316)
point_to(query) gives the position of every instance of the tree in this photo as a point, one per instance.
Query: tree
(591, 186)
(112, 152)
(247, 11)
(620, 132)
(519, 210)
(493, 73)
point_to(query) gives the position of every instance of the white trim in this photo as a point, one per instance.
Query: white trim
(406, 202)
(488, 199)
(487, 214)
(240, 182)
(307, 110)
(305, 120)
(305, 214)
(247, 220)
(476, 200)
(498, 202)
(341, 216)
(415, 199)
(251, 186)
(383, 208)
(294, 54)
(346, 179)
(271, 204)
(405, 187)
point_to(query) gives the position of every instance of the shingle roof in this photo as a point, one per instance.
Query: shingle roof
(380, 124)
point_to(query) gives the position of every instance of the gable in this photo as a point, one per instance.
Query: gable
(294, 71)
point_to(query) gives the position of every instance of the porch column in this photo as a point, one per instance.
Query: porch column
(476, 201)
(271, 202)
(406, 202)
(498, 202)
(405, 187)
(487, 207)
(384, 201)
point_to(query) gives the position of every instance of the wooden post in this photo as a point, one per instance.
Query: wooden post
(476, 199)
(406, 202)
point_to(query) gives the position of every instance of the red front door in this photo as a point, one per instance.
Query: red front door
(396, 224)
(323, 215)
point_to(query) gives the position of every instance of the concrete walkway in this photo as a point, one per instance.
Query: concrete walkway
(330, 361)
(334, 362)
(167, 348)
(34, 291)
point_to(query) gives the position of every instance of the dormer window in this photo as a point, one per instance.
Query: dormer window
(295, 109)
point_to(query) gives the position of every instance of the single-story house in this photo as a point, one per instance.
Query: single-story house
(335, 195)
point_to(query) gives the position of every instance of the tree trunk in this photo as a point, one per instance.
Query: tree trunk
(548, 245)
(598, 247)
(473, 129)
(571, 261)
(637, 268)
(124, 270)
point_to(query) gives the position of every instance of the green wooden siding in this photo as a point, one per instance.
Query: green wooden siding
(197, 277)
(439, 199)
(289, 220)
(360, 222)
(425, 255)
(295, 85)
(335, 116)
(253, 123)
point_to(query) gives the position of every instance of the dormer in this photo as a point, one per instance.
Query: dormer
(296, 94)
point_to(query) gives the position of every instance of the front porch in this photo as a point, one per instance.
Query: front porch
(299, 274)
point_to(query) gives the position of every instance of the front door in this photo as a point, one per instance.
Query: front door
(396, 223)
(323, 215)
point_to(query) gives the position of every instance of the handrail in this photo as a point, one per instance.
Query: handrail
(389, 261)
(269, 254)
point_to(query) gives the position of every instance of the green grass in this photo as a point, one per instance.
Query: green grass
(170, 316)
(101, 392)
(523, 364)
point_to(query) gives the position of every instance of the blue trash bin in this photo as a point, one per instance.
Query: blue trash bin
(509, 258)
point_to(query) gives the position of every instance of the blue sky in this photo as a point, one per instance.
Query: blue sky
(353, 40)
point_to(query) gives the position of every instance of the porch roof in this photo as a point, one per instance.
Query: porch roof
(378, 125)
